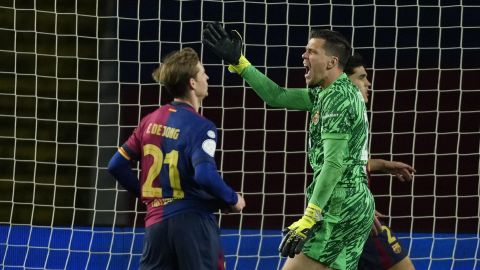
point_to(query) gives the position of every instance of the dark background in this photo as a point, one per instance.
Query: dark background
(75, 80)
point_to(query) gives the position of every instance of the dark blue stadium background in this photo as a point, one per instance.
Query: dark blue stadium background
(427, 57)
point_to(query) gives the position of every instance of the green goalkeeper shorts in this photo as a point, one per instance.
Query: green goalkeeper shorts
(338, 240)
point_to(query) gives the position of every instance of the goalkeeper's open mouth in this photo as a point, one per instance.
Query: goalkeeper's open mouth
(307, 71)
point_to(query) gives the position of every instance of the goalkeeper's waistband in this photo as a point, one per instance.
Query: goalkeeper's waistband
(360, 163)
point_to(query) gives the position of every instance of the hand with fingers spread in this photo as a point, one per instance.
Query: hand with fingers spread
(224, 45)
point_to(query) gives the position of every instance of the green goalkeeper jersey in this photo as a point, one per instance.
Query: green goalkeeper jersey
(337, 111)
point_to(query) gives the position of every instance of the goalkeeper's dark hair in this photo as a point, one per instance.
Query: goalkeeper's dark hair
(355, 60)
(335, 44)
(176, 70)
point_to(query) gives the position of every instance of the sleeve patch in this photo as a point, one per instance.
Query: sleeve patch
(211, 134)
(209, 146)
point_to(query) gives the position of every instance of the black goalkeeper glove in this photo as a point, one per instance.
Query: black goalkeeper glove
(299, 231)
(228, 47)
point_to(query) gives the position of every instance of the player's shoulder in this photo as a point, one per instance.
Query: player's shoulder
(344, 88)
(199, 119)
(340, 89)
(204, 123)
(147, 118)
(345, 85)
(203, 129)
(194, 118)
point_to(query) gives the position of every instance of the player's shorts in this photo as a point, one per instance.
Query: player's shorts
(338, 240)
(187, 241)
(382, 251)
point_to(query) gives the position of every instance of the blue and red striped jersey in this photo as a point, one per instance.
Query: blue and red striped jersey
(169, 142)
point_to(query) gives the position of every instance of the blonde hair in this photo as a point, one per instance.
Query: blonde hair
(177, 69)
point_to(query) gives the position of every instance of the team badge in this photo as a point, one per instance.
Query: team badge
(397, 248)
(316, 117)
(209, 146)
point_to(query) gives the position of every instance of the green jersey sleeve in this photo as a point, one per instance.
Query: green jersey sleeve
(335, 152)
(274, 95)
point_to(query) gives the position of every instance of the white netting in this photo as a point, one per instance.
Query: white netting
(75, 80)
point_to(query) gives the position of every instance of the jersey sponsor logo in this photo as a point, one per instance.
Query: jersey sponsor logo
(211, 134)
(330, 115)
(160, 202)
(396, 248)
(209, 146)
(164, 131)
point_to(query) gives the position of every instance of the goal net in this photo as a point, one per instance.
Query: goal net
(75, 81)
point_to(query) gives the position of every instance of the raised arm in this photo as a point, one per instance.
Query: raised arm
(228, 47)
(273, 94)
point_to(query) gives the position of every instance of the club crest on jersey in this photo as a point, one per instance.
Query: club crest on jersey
(397, 248)
(316, 117)
(209, 146)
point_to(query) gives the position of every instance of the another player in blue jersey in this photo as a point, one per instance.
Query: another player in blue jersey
(179, 181)
(382, 251)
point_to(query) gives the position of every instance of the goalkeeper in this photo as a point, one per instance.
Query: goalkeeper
(340, 211)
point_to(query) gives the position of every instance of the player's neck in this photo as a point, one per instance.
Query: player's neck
(331, 77)
(193, 101)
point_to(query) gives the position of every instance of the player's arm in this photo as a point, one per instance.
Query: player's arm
(202, 155)
(228, 47)
(401, 170)
(207, 176)
(119, 167)
(335, 149)
(273, 94)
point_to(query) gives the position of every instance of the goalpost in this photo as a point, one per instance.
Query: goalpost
(75, 79)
